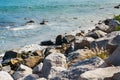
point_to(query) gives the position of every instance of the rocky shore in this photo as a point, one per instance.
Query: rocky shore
(80, 56)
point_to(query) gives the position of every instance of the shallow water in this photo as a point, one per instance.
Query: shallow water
(59, 13)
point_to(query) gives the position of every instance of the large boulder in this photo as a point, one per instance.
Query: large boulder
(82, 42)
(54, 59)
(105, 42)
(31, 48)
(100, 73)
(5, 76)
(96, 34)
(78, 55)
(108, 25)
(22, 72)
(116, 76)
(78, 68)
(114, 58)
(113, 43)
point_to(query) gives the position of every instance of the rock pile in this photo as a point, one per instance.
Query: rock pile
(70, 57)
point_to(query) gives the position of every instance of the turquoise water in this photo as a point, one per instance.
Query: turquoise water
(59, 13)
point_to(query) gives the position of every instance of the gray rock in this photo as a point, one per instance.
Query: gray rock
(100, 73)
(103, 42)
(22, 72)
(103, 27)
(82, 42)
(29, 77)
(114, 58)
(112, 23)
(78, 68)
(96, 34)
(108, 25)
(6, 68)
(78, 55)
(116, 76)
(68, 38)
(5, 76)
(54, 59)
(38, 69)
(55, 71)
(113, 43)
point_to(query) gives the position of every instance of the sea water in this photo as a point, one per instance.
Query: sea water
(63, 16)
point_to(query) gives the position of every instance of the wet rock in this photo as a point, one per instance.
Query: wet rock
(100, 73)
(33, 61)
(54, 59)
(82, 42)
(9, 55)
(31, 21)
(22, 72)
(117, 7)
(68, 38)
(96, 34)
(59, 39)
(5, 76)
(112, 23)
(43, 22)
(38, 69)
(47, 43)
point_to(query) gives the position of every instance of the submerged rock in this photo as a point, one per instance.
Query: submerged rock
(30, 21)
(47, 43)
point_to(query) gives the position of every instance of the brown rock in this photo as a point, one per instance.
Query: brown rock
(33, 61)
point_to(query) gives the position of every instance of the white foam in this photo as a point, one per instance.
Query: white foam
(28, 26)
